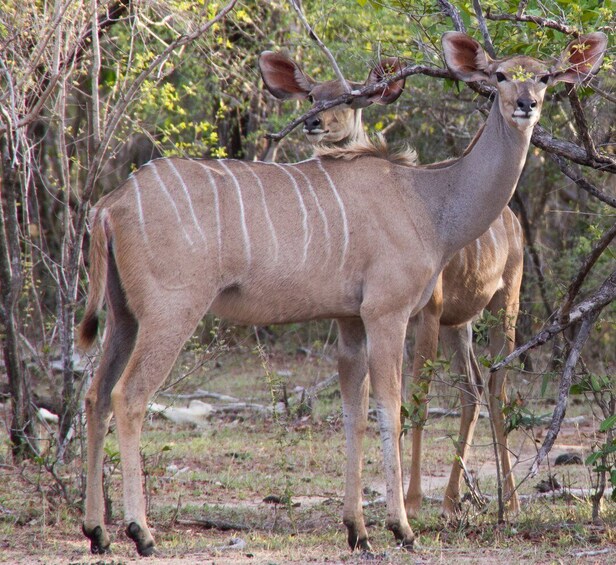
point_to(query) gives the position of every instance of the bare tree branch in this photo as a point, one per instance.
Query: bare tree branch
(323, 47)
(543, 22)
(453, 13)
(484, 29)
(543, 139)
(590, 260)
(581, 122)
(578, 179)
(563, 389)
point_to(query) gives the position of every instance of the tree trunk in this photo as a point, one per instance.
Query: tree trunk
(21, 429)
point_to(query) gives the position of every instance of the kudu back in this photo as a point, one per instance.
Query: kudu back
(262, 243)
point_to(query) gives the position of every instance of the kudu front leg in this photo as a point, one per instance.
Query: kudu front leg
(354, 388)
(385, 337)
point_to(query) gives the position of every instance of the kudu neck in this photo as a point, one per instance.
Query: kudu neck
(481, 183)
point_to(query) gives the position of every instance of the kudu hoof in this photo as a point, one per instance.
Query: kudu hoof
(359, 543)
(404, 537)
(145, 548)
(98, 543)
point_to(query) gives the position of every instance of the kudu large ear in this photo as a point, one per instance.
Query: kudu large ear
(283, 77)
(390, 93)
(581, 59)
(465, 57)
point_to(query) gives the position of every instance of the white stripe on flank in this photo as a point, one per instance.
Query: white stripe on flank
(267, 215)
(320, 209)
(302, 207)
(478, 254)
(140, 209)
(493, 236)
(238, 189)
(345, 225)
(173, 204)
(188, 199)
(212, 180)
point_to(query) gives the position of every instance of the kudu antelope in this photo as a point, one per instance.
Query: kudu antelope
(285, 80)
(487, 273)
(262, 243)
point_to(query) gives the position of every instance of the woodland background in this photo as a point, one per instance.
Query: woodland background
(90, 90)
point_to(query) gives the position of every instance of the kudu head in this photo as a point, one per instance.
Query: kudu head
(521, 81)
(285, 79)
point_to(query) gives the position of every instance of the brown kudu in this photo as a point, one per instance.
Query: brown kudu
(285, 80)
(262, 243)
(486, 274)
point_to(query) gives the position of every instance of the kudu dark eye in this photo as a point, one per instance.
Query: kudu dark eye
(500, 77)
(544, 79)
(310, 99)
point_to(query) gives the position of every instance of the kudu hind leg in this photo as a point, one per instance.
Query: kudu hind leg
(153, 357)
(426, 343)
(117, 347)
(502, 342)
(458, 341)
(354, 388)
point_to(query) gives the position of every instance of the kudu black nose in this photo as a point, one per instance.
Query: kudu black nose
(312, 123)
(526, 104)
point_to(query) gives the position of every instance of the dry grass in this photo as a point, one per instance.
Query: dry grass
(223, 472)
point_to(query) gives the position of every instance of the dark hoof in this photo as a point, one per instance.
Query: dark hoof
(98, 545)
(144, 548)
(404, 537)
(359, 543)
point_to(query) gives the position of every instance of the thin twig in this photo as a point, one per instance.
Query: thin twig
(323, 47)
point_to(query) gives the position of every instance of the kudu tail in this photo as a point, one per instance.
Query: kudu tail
(99, 259)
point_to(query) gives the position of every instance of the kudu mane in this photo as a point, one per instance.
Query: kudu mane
(374, 146)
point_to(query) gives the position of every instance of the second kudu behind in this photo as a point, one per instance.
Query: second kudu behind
(486, 274)
(263, 243)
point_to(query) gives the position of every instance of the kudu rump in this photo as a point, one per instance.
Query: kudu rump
(361, 241)
(487, 273)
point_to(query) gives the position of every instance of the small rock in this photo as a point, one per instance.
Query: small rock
(568, 459)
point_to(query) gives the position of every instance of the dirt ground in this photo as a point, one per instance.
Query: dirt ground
(224, 469)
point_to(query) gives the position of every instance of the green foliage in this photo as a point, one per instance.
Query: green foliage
(603, 458)
(519, 416)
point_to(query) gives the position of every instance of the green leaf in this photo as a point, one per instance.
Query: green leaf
(593, 457)
(608, 423)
